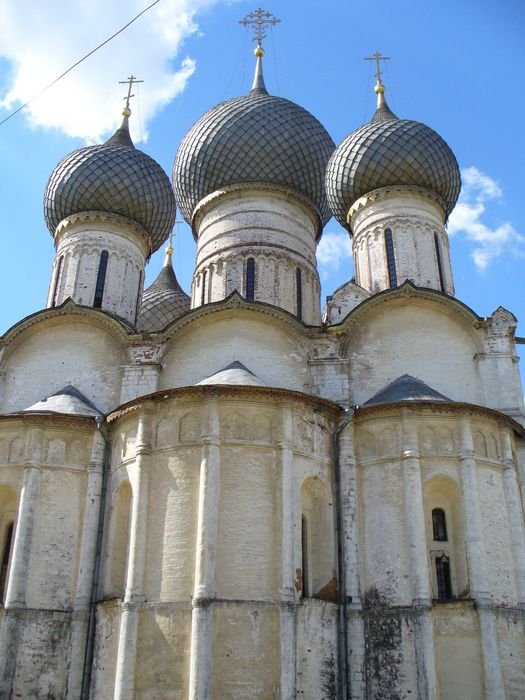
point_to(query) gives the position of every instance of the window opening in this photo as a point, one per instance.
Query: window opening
(444, 585)
(299, 292)
(139, 296)
(5, 559)
(203, 290)
(439, 263)
(101, 279)
(390, 258)
(250, 279)
(304, 552)
(56, 282)
(439, 525)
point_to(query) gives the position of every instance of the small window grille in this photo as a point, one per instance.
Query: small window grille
(390, 258)
(439, 525)
(101, 279)
(444, 585)
(250, 279)
(439, 263)
(299, 292)
(56, 283)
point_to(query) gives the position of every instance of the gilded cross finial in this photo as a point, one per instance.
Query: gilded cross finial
(129, 82)
(377, 57)
(259, 20)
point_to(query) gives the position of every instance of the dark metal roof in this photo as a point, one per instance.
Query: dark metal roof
(114, 177)
(253, 138)
(389, 151)
(163, 302)
(406, 388)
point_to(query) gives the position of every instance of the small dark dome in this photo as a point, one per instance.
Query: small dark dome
(386, 152)
(163, 302)
(116, 178)
(253, 138)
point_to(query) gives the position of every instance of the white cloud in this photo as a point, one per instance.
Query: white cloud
(333, 248)
(468, 219)
(42, 39)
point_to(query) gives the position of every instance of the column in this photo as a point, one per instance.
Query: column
(472, 514)
(515, 515)
(418, 555)
(15, 598)
(414, 511)
(134, 596)
(350, 535)
(288, 621)
(476, 562)
(86, 569)
(205, 564)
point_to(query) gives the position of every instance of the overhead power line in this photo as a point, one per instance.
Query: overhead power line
(55, 81)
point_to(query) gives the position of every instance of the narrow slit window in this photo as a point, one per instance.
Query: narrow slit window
(439, 263)
(304, 552)
(439, 525)
(444, 585)
(139, 296)
(299, 292)
(6, 555)
(101, 279)
(56, 283)
(203, 290)
(390, 258)
(250, 279)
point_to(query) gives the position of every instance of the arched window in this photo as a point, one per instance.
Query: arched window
(250, 279)
(56, 281)
(390, 258)
(101, 279)
(139, 296)
(119, 541)
(439, 263)
(439, 525)
(317, 541)
(299, 292)
(203, 289)
(304, 551)
(6, 557)
(444, 584)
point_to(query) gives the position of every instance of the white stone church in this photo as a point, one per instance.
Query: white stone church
(236, 494)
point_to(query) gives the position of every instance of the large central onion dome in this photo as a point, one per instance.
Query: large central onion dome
(114, 178)
(255, 138)
(386, 152)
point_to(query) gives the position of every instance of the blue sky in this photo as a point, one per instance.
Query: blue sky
(456, 65)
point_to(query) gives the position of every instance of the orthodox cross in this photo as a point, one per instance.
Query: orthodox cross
(130, 82)
(259, 20)
(377, 56)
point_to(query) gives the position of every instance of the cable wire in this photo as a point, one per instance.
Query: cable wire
(55, 81)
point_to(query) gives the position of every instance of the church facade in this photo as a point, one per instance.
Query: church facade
(234, 493)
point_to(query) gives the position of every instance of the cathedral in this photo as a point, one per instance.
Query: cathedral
(236, 493)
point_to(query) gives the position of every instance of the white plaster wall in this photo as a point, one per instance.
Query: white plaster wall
(277, 357)
(409, 337)
(80, 241)
(277, 229)
(413, 219)
(59, 352)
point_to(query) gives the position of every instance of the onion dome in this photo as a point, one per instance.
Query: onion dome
(386, 152)
(255, 138)
(116, 178)
(164, 301)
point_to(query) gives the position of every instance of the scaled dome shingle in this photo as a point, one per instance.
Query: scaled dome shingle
(116, 178)
(253, 138)
(386, 152)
